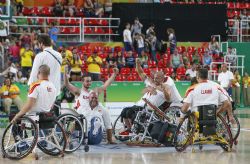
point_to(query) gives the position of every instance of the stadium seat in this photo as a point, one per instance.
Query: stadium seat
(65, 30)
(125, 71)
(103, 55)
(236, 13)
(151, 64)
(35, 11)
(103, 22)
(107, 49)
(98, 30)
(45, 11)
(120, 78)
(239, 5)
(40, 21)
(201, 50)
(87, 30)
(181, 71)
(168, 71)
(230, 5)
(134, 72)
(132, 78)
(98, 49)
(118, 49)
(191, 49)
(92, 22)
(108, 31)
(161, 64)
(26, 11)
(247, 5)
(75, 30)
(229, 14)
(104, 71)
(146, 71)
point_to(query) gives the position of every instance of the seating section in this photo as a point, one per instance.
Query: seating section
(130, 74)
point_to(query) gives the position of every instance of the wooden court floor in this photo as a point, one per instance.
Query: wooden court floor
(121, 154)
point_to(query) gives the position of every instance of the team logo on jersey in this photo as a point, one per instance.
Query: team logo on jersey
(49, 89)
(85, 97)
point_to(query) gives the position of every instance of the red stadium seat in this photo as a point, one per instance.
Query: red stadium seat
(40, 21)
(87, 30)
(247, 5)
(65, 30)
(103, 22)
(236, 13)
(98, 30)
(26, 11)
(239, 5)
(120, 78)
(151, 64)
(168, 71)
(161, 64)
(46, 11)
(132, 78)
(118, 49)
(108, 31)
(230, 5)
(146, 71)
(229, 14)
(62, 22)
(98, 49)
(92, 22)
(191, 49)
(75, 30)
(181, 71)
(107, 49)
(134, 72)
(125, 71)
(103, 56)
(201, 50)
(104, 71)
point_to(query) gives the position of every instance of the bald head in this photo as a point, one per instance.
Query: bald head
(158, 77)
(224, 67)
(44, 71)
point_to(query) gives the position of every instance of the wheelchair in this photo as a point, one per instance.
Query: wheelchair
(31, 131)
(75, 127)
(142, 122)
(203, 127)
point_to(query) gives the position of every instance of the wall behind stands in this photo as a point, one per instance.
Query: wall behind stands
(194, 23)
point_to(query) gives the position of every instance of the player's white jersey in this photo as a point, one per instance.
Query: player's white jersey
(175, 96)
(82, 101)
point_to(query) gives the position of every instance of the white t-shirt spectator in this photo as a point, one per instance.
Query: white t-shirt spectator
(191, 73)
(55, 68)
(127, 36)
(3, 26)
(45, 94)
(224, 78)
(140, 42)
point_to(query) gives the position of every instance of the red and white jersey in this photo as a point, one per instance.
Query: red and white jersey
(205, 93)
(175, 96)
(45, 94)
(82, 101)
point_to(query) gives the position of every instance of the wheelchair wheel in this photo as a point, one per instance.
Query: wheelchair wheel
(52, 141)
(184, 133)
(173, 113)
(74, 130)
(19, 139)
(119, 127)
(224, 132)
(235, 128)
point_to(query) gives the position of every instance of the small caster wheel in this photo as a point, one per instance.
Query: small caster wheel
(236, 142)
(36, 157)
(86, 148)
(200, 147)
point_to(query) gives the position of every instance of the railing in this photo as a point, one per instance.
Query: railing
(239, 31)
(71, 29)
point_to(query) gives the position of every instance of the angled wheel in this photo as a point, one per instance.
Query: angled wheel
(74, 130)
(19, 139)
(52, 141)
(223, 131)
(184, 134)
(119, 127)
(173, 113)
(235, 128)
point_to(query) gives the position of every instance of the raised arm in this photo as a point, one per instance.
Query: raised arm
(74, 90)
(108, 82)
(139, 69)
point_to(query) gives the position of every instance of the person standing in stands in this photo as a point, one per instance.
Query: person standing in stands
(136, 27)
(172, 40)
(53, 32)
(49, 57)
(127, 39)
(94, 63)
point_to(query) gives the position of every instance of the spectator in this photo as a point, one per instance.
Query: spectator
(246, 89)
(152, 42)
(70, 9)
(213, 46)
(144, 60)
(94, 63)
(111, 61)
(3, 30)
(58, 9)
(26, 54)
(196, 58)
(53, 32)
(20, 78)
(65, 61)
(10, 94)
(235, 27)
(245, 24)
(66, 52)
(207, 59)
(231, 57)
(25, 38)
(191, 71)
(150, 30)
(127, 38)
(225, 79)
(172, 40)
(14, 52)
(19, 6)
(120, 60)
(140, 44)
(176, 60)
(236, 88)
(136, 27)
(130, 60)
(76, 65)
(93, 9)
(186, 60)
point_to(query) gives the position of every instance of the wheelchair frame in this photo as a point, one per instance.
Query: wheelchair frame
(26, 123)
